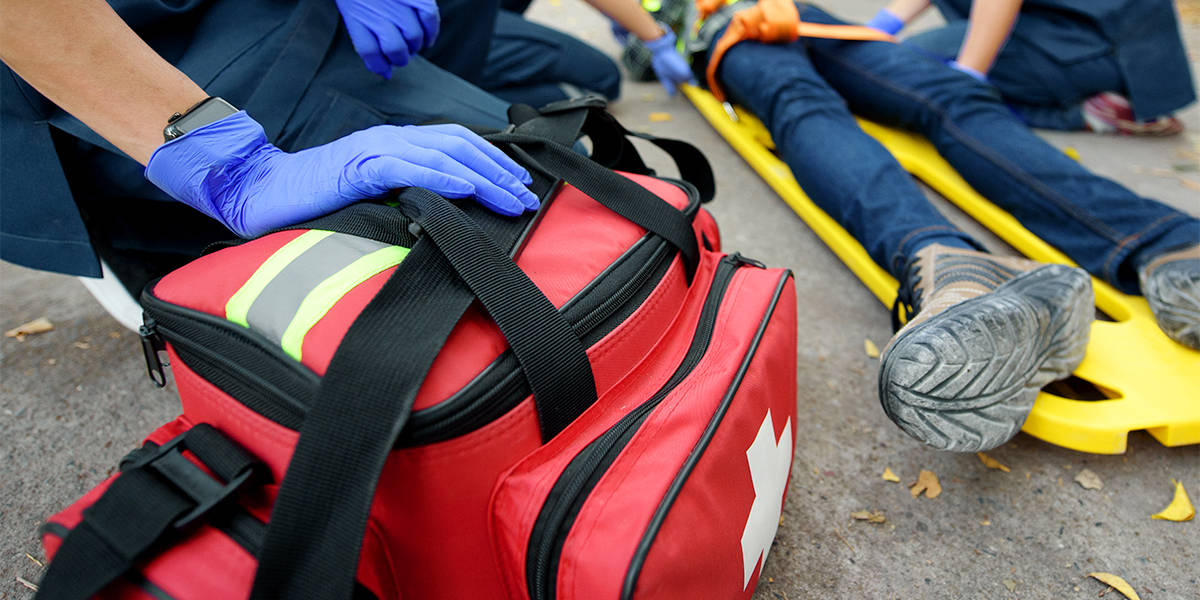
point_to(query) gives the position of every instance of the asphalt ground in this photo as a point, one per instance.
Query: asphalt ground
(74, 400)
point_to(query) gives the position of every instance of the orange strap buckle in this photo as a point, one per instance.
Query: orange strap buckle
(773, 22)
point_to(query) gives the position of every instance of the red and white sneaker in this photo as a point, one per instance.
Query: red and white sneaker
(1109, 112)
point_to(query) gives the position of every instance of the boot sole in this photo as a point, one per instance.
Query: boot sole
(1174, 297)
(965, 380)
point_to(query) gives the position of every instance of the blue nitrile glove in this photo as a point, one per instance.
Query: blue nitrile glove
(886, 21)
(228, 171)
(668, 65)
(385, 33)
(619, 33)
(957, 66)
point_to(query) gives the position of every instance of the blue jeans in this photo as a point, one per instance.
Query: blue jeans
(805, 93)
(532, 64)
(1043, 90)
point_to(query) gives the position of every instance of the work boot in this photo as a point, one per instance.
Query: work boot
(988, 333)
(1171, 285)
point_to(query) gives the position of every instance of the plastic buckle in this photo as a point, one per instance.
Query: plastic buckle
(201, 488)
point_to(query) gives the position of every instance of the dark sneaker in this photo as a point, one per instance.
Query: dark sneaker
(989, 332)
(1171, 285)
(1109, 112)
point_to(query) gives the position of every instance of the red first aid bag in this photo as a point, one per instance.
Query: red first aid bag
(422, 399)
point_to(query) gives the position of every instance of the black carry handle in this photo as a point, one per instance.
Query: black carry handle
(615, 192)
(315, 534)
(566, 120)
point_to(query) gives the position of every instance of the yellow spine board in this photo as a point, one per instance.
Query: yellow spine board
(1152, 382)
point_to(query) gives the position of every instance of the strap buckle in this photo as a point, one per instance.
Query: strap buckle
(196, 484)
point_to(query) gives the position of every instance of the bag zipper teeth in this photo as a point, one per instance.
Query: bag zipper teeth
(593, 455)
(513, 389)
(290, 408)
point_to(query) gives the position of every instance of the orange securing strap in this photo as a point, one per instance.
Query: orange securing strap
(773, 22)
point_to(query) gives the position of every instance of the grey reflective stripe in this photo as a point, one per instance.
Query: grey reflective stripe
(276, 305)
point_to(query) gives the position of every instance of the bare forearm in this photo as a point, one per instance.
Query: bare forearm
(990, 23)
(85, 59)
(907, 10)
(630, 15)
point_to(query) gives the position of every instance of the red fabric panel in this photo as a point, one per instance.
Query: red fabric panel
(688, 561)
(207, 283)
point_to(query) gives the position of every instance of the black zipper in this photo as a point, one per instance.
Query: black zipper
(581, 475)
(282, 389)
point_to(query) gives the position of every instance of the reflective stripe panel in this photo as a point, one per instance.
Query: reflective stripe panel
(328, 292)
(277, 304)
(239, 304)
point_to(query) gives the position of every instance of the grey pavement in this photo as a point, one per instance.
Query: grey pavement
(73, 401)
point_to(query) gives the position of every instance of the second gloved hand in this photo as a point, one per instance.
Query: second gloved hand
(387, 33)
(229, 171)
(957, 66)
(668, 65)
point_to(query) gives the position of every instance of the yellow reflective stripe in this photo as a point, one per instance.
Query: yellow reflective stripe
(239, 305)
(328, 292)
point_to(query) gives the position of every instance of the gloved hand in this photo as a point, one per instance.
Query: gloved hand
(957, 66)
(386, 33)
(886, 21)
(619, 32)
(228, 171)
(668, 65)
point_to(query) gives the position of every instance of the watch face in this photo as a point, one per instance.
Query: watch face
(209, 111)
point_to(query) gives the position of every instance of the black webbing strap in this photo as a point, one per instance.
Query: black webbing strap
(615, 192)
(316, 530)
(158, 492)
(552, 356)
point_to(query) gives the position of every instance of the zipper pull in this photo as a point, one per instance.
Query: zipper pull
(152, 344)
(737, 258)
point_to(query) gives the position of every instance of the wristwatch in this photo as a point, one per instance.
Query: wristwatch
(208, 110)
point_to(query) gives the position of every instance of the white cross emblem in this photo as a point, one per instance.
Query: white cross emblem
(769, 466)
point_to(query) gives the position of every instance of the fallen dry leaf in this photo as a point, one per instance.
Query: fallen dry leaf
(34, 560)
(82, 345)
(871, 348)
(888, 475)
(870, 517)
(1010, 584)
(1189, 184)
(991, 463)
(38, 325)
(1180, 508)
(1089, 480)
(986, 523)
(1116, 583)
(926, 482)
(27, 583)
(659, 117)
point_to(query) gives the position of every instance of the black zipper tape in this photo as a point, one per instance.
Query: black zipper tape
(581, 475)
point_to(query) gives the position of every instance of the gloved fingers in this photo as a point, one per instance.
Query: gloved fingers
(367, 47)
(379, 175)
(488, 193)
(431, 22)
(474, 158)
(667, 85)
(393, 44)
(409, 25)
(502, 159)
